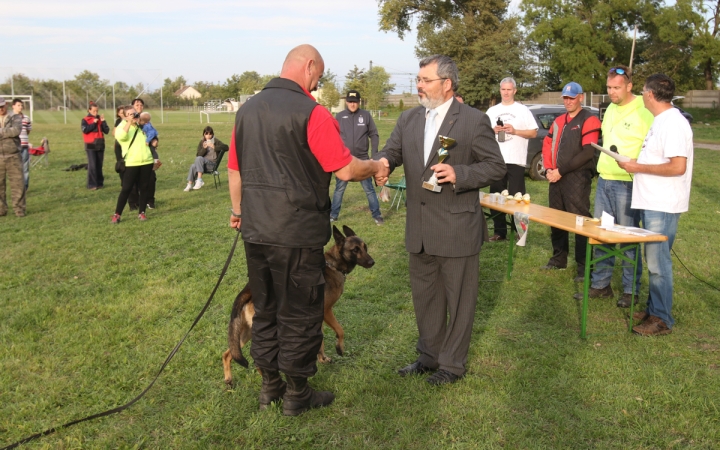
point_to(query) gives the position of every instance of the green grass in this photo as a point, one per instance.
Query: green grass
(89, 311)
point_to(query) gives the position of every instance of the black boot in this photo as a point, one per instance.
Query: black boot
(273, 388)
(300, 397)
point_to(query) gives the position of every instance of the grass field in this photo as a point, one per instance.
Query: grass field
(89, 311)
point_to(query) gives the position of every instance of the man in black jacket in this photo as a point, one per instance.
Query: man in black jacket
(356, 127)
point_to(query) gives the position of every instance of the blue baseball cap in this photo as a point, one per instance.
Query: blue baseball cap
(572, 90)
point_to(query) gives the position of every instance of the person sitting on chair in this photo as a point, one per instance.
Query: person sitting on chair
(207, 153)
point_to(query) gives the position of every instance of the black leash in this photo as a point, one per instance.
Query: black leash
(167, 360)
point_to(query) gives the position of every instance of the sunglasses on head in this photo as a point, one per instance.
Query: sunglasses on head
(619, 71)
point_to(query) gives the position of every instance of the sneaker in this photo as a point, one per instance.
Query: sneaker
(497, 238)
(379, 220)
(641, 315)
(198, 184)
(333, 219)
(151, 205)
(625, 300)
(549, 266)
(605, 292)
(653, 326)
(142, 217)
(188, 187)
(115, 219)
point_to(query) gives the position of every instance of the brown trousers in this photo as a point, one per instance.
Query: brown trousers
(11, 169)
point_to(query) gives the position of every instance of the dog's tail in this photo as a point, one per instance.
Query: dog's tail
(234, 327)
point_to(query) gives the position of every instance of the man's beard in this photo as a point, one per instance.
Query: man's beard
(430, 103)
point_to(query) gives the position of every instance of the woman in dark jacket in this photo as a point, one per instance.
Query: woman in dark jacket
(207, 154)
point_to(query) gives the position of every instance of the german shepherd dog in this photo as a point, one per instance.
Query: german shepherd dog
(349, 250)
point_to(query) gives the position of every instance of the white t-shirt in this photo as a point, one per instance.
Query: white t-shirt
(669, 136)
(514, 149)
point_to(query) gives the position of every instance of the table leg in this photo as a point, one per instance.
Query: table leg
(633, 293)
(511, 245)
(586, 289)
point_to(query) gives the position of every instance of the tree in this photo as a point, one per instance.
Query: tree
(327, 87)
(377, 86)
(355, 80)
(480, 36)
(579, 40)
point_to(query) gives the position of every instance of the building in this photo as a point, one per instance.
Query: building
(188, 93)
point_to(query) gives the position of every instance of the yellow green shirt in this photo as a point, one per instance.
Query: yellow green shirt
(625, 127)
(137, 155)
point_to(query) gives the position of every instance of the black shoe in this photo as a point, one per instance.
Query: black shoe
(605, 292)
(442, 376)
(625, 300)
(415, 368)
(151, 205)
(273, 388)
(299, 397)
(497, 238)
(549, 266)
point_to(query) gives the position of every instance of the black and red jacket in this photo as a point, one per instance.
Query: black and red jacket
(93, 129)
(567, 145)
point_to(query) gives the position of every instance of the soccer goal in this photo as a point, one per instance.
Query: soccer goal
(27, 100)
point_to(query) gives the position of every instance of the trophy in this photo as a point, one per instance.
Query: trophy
(445, 143)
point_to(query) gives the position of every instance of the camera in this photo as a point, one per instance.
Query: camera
(136, 115)
(501, 134)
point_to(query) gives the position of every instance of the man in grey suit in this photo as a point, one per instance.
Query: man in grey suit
(444, 230)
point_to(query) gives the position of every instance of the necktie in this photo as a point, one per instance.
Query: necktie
(429, 133)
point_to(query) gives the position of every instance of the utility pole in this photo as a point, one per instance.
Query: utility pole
(370, 65)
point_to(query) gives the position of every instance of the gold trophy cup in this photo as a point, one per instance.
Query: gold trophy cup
(445, 143)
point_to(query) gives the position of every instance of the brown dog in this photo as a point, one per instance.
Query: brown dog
(348, 251)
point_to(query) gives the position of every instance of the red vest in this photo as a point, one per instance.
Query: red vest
(89, 138)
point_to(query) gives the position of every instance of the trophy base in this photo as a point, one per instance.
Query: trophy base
(431, 187)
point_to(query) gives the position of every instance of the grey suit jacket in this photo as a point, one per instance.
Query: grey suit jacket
(449, 223)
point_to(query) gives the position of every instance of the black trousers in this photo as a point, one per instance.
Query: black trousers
(514, 182)
(288, 289)
(139, 175)
(134, 198)
(571, 194)
(95, 176)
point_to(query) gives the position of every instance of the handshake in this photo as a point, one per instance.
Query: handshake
(383, 172)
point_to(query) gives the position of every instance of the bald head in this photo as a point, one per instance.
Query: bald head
(304, 65)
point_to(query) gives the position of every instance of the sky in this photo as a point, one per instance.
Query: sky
(148, 41)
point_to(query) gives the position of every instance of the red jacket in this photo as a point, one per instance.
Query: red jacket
(567, 145)
(93, 129)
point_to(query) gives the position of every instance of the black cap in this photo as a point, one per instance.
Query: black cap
(353, 96)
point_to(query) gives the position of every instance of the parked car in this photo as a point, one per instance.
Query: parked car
(684, 113)
(544, 116)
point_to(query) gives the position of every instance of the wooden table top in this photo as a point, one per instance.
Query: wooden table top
(566, 221)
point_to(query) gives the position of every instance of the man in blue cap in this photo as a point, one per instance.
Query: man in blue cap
(568, 159)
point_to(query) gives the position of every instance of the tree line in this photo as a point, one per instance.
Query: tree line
(552, 42)
(373, 84)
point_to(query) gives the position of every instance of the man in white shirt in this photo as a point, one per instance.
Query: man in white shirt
(513, 124)
(661, 191)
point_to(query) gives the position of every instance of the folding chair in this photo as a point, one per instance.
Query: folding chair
(38, 154)
(399, 191)
(214, 172)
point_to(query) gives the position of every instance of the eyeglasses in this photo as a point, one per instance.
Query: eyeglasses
(426, 81)
(619, 71)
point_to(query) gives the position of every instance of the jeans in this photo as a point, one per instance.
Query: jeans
(25, 155)
(659, 262)
(614, 198)
(367, 186)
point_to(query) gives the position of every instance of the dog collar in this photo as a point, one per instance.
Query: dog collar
(344, 274)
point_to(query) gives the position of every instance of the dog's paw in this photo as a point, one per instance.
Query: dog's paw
(339, 349)
(324, 359)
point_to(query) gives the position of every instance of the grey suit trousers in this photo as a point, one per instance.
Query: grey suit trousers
(442, 287)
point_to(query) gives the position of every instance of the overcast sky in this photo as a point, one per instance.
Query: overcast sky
(201, 40)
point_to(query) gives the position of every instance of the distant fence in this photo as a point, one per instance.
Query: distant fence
(700, 99)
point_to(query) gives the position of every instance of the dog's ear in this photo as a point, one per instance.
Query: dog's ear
(348, 231)
(339, 238)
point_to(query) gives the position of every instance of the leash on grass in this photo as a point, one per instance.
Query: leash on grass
(162, 368)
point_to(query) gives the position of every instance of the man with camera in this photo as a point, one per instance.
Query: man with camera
(514, 127)
(94, 128)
